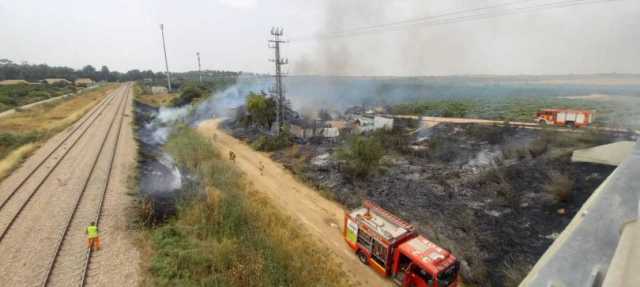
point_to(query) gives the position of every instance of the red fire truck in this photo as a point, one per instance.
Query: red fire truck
(565, 117)
(392, 248)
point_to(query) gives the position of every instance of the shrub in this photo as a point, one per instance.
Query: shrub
(362, 155)
(261, 110)
(273, 143)
(190, 94)
(560, 186)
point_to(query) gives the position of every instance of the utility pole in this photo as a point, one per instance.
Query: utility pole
(278, 90)
(166, 62)
(199, 69)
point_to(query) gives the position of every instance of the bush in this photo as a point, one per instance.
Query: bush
(560, 186)
(362, 155)
(190, 94)
(273, 143)
(261, 111)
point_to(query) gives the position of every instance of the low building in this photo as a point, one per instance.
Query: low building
(84, 82)
(330, 132)
(336, 124)
(13, 82)
(52, 81)
(159, 90)
(382, 123)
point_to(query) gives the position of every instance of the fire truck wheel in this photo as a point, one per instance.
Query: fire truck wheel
(362, 257)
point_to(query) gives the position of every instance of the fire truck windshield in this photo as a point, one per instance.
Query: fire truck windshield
(449, 275)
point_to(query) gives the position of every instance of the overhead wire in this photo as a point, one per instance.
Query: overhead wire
(465, 16)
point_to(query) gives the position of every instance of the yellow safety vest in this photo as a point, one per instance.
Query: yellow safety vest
(92, 231)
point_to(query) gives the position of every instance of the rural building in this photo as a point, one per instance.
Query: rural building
(84, 82)
(330, 132)
(363, 124)
(57, 81)
(159, 90)
(382, 123)
(336, 124)
(13, 82)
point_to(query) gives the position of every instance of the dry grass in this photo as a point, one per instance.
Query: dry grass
(55, 116)
(16, 157)
(26, 130)
(227, 234)
(560, 186)
(159, 100)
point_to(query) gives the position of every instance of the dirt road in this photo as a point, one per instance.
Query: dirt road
(70, 172)
(321, 217)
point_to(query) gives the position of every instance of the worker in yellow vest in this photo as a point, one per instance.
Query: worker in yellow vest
(93, 240)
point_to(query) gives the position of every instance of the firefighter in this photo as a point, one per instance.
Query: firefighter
(93, 240)
(261, 167)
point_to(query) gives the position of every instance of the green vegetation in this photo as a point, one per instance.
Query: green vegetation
(261, 111)
(361, 155)
(190, 93)
(11, 140)
(435, 108)
(12, 96)
(227, 235)
(273, 143)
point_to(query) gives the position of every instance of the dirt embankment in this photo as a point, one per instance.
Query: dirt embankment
(320, 217)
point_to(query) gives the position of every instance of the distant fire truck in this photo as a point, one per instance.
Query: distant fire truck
(392, 248)
(565, 117)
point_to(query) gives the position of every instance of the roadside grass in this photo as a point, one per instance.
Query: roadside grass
(24, 131)
(17, 156)
(226, 234)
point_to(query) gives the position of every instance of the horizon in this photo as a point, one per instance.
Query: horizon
(599, 38)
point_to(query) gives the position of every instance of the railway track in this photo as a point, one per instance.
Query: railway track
(42, 201)
(64, 146)
(71, 260)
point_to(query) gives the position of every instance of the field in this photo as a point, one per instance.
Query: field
(21, 133)
(495, 196)
(500, 98)
(12, 96)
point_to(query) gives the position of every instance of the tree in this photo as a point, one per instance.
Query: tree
(88, 72)
(262, 110)
(105, 74)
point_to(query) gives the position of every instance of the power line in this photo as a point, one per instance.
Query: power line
(436, 20)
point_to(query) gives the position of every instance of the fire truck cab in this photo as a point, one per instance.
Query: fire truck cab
(393, 249)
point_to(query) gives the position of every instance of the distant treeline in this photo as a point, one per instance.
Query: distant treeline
(12, 71)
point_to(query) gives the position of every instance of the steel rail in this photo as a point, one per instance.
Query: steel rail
(60, 242)
(49, 172)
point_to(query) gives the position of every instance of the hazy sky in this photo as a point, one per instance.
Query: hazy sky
(233, 34)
